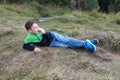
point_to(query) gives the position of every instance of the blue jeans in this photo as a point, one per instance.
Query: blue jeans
(65, 41)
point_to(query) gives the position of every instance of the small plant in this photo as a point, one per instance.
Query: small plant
(39, 78)
(83, 65)
(117, 21)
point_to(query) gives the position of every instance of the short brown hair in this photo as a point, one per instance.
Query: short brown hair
(29, 24)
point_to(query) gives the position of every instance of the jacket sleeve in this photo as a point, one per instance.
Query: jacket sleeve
(28, 46)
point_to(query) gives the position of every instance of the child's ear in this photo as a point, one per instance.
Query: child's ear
(29, 30)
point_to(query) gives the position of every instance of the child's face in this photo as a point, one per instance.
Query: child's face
(34, 29)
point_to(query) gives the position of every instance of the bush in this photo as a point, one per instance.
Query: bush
(55, 2)
(16, 1)
(117, 5)
(91, 4)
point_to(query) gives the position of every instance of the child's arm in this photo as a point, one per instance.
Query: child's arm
(31, 48)
(28, 46)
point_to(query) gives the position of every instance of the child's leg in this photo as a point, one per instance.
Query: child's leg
(56, 43)
(65, 41)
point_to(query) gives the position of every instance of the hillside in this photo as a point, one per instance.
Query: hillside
(59, 63)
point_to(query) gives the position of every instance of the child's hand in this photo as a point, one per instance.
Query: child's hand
(37, 50)
(41, 30)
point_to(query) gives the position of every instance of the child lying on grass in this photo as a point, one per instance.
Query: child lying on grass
(39, 37)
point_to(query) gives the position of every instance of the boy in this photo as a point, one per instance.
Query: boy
(39, 37)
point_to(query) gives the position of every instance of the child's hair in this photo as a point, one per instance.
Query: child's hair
(29, 24)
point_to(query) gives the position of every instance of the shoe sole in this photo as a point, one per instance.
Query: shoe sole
(92, 45)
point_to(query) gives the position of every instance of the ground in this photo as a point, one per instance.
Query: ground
(61, 63)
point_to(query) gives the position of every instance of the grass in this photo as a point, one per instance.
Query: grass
(56, 63)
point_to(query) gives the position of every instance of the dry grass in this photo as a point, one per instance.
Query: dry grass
(59, 63)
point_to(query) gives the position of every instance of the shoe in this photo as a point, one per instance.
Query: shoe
(95, 41)
(90, 46)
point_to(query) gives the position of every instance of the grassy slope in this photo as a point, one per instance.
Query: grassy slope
(56, 63)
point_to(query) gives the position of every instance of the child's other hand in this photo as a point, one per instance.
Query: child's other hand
(37, 50)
